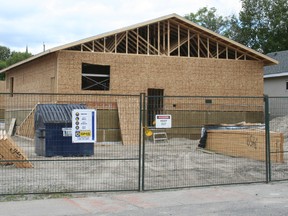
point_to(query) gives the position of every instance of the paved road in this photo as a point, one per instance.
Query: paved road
(253, 199)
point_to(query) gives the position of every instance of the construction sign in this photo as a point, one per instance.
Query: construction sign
(84, 126)
(163, 121)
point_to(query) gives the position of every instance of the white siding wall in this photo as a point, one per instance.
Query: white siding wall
(276, 86)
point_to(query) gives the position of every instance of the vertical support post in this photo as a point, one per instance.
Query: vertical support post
(267, 139)
(164, 36)
(104, 44)
(159, 51)
(126, 42)
(217, 45)
(141, 142)
(168, 38)
(179, 40)
(148, 39)
(208, 48)
(188, 42)
(198, 44)
(143, 111)
(137, 41)
(115, 43)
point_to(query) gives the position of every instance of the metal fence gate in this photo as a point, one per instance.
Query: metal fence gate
(238, 154)
(132, 153)
(111, 167)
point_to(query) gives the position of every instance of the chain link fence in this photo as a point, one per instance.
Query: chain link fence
(278, 111)
(41, 159)
(144, 142)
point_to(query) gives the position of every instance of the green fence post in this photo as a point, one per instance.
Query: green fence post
(267, 139)
(143, 109)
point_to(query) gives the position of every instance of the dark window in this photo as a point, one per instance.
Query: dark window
(95, 77)
(286, 85)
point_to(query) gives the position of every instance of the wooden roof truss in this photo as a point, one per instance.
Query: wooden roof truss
(166, 38)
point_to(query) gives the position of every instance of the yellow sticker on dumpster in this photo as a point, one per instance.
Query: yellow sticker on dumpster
(85, 133)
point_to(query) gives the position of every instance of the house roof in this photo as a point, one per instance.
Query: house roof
(178, 33)
(277, 70)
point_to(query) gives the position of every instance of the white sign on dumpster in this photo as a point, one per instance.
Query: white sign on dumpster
(163, 121)
(84, 126)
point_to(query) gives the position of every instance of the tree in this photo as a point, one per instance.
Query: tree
(17, 57)
(262, 25)
(8, 58)
(209, 19)
(4, 53)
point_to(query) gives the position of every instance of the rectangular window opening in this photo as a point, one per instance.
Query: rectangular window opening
(95, 77)
(286, 85)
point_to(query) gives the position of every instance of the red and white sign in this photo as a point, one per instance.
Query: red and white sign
(163, 121)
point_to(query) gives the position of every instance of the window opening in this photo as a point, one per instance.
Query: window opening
(95, 77)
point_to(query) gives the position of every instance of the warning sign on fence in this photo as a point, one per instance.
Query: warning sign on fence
(163, 121)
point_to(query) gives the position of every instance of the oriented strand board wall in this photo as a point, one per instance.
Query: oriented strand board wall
(34, 76)
(132, 74)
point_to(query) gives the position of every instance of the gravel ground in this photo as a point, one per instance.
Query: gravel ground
(175, 163)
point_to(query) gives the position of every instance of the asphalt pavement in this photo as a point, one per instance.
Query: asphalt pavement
(249, 199)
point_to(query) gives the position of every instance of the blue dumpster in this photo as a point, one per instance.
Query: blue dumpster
(53, 124)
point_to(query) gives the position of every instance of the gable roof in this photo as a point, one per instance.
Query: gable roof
(277, 70)
(172, 32)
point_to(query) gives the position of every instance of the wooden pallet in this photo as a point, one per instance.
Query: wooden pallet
(11, 153)
(245, 143)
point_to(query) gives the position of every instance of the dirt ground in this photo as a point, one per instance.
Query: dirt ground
(175, 163)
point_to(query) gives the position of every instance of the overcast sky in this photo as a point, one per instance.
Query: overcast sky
(56, 22)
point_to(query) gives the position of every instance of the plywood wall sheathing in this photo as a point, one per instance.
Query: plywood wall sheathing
(9, 151)
(128, 111)
(245, 143)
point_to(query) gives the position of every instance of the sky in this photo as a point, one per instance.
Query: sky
(32, 23)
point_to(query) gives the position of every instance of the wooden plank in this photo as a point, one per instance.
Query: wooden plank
(10, 151)
(26, 128)
(245, 143)
(128, 111)
(11, 127)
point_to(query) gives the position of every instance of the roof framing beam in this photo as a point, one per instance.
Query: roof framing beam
(167, 37)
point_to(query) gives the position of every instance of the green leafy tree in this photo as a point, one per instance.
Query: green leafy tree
(262, 25)
(17, 57)
(209, 19)
(8, 58)
(4, 53)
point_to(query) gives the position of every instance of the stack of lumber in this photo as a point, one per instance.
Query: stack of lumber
(11, 153)
(248, 143)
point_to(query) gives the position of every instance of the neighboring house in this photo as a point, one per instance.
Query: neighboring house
(276, 84)
(167, 56)
(276, 76)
